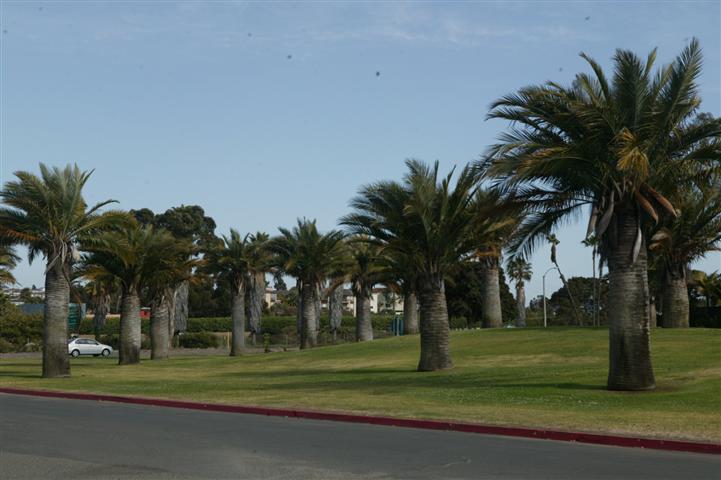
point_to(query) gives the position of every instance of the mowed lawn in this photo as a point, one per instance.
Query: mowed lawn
(551, 378)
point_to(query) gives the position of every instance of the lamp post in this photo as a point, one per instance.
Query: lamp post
(545, 323)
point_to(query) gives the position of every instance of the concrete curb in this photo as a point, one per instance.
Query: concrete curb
(581, 437)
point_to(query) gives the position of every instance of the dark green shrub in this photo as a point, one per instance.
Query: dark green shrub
(18, 329)
(112, 326)
(458, 322)
(198, 340)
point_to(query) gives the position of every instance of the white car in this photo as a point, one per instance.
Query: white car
(86, 346)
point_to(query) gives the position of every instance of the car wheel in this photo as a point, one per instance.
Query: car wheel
(75, 353)
(106, 353)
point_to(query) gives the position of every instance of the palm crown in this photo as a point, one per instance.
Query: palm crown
(49, 214)
(608, 144)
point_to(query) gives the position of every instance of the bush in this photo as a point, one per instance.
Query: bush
(112, 326)
(198, 340)
(458, 322)
(18, 329)
(114, 341)
(707, 317)
(6, 346)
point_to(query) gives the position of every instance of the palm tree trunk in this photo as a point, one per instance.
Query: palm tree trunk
(55, 322)
(410, 313)
(237, 315)
(309, 327)
(675, 300)
(363, 324)
(256, 290)
(299, 311)
(629, 334)
(159, 319)
(100, 313)
(171, 320)
(595, 285)
(181, 306)
(435, 333)
(130, 335)
(335, 307)
(490, 294)
(521, 305)
(652, 312)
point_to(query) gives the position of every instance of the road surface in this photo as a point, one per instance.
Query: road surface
(77, 439)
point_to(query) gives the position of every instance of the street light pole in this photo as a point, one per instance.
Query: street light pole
(545, 322)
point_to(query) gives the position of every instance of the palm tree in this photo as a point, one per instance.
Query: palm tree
(708, 285)
(399, 275)
(554, 241)
(681, 241)
(335, 309)
(493, 223)
(259, 263)
(590, 241)
(609, 145)
(8, 261)
(520, 271)
(310, 257)
(231, 261)
(48, 214)
(173, 265)
(429, 220)
(138, 257)
(363, 272)
(99, 291)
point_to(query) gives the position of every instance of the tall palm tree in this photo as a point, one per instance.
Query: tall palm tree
(520, 271)
(363, 271)
(99, 291)
(610, 145)
(494, 222)
(8, 261)
(48, 214)
(708, 285)
(173, 265)
(137, 256)
(590, 241)
(231, 261)
(399, 275)
(259, 263)
(679, 242)
(554, 241)
(335, 309)
(311, 257)
(427, 218)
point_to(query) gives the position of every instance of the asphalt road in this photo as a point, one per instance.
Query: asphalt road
(74, 439)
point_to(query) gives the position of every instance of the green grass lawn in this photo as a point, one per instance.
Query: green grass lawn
(551, 378)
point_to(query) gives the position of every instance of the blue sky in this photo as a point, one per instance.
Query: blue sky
(265, 112)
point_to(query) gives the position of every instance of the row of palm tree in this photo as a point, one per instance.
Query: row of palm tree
(632, 149)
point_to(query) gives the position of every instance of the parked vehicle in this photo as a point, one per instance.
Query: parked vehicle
(87, 346)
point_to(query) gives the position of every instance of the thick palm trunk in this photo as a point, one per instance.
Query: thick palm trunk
(171, 320)
(675, 300)
(629, 334)
(335, 311)
(181, 306)
(521, 305)
(100, 313)
(363, 324)
(309, 327)
(55, 322)
(410, 313)
(130, 327)
(256, 290)
(159, 320)
(435, 333)
(490, 294)
(299, 311)
(237, 315)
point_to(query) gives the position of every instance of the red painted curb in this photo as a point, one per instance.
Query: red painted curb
(594, 438)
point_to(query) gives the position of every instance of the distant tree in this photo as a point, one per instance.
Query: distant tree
(187, 222)
(520, 271)
(561, 308)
